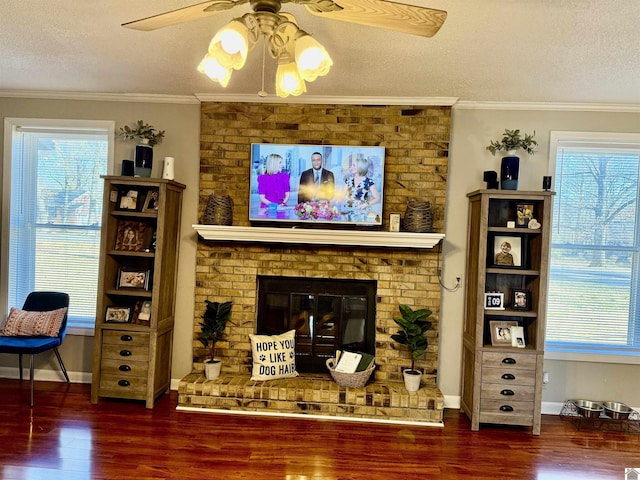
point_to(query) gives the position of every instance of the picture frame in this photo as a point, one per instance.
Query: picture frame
(524, 214)
(151, 201)
(133, 279)
(129, 199)
(521, 299)
(117, 314)
(517, 336)
(501, 332)
(508, 251)
(494, 301)
(130, 236)
(142, 313)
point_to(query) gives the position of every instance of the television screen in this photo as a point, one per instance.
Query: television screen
(316, 183)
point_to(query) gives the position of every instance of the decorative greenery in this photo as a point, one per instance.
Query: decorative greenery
(413, 326)
(141, 130)
(215, 321)
(512, 140)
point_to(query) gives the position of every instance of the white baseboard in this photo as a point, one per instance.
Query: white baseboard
(45, 375)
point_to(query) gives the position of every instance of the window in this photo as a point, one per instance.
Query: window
(595, 246)
(54, 192)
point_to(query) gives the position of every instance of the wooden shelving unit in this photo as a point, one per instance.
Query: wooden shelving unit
(132, 358)
(501, 383)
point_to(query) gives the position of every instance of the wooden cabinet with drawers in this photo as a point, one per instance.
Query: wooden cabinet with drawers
(136, 288)
(505, 288)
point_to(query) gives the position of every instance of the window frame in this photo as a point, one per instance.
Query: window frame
(556, 140)
(10, 124)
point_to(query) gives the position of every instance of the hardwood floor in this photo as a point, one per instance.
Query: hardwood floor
(66, 437)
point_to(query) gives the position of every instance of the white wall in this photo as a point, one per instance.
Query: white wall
(472, 129)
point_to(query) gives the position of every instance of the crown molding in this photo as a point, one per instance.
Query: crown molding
(321, 99)
(564, 107)
(101, 97)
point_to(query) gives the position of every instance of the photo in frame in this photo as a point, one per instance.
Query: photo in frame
(508, 251)
(142, 313)
(136, 279)
(130, 236)
(118, 314)
(129, 199)
(151, 201)
(520, 299)
(501, 332)
(517, 336)
(494, 301)
(524, 214)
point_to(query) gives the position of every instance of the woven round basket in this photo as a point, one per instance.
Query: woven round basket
(219, 210)
(418, 217)
(350, 380)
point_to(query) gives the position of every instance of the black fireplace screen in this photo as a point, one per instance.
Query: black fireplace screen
(327, 315)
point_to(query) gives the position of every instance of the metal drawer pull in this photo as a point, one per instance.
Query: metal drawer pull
(506, 408)
(508, 376)
(507, 392)
(124, 368)
(126, 338)
(509, 361)
(125, 353)
(125, 383)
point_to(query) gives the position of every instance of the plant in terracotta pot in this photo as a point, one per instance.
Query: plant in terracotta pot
(148, 136)
(215, 321)
(412, 334)
(511, 141)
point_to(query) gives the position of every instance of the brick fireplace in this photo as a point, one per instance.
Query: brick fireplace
(416, 141)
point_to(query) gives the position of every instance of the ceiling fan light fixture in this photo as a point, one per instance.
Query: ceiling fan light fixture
(311, 57)
(288, 80)
(230, 45)
(216, 72)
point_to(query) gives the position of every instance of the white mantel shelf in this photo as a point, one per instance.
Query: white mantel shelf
(314, 236)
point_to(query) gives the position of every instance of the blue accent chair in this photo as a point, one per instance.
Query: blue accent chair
(38, 302)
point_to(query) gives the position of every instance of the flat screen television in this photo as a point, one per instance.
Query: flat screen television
(330, 184)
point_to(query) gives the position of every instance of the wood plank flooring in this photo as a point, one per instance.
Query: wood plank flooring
(66, 437)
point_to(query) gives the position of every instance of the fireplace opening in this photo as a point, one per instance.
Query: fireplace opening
(327, 315)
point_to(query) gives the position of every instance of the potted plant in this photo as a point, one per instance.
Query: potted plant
(412, 334)
(148, 136)
(510, 142)
(215, 321)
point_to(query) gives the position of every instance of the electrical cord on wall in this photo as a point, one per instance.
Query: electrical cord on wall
(456, 287)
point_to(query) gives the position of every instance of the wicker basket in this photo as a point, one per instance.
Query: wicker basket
(219, 210)
(350, 380)
(417, 217)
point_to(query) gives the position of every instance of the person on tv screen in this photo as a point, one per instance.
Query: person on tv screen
(316, 183)
(361, 189)
(273, 185)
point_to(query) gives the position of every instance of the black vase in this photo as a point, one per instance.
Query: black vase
(143, 160)
(509, 170)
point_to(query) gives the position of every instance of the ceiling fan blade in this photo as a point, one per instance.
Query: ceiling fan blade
(174, 17)
(398, 17)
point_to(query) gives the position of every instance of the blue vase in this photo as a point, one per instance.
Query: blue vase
(509, 170)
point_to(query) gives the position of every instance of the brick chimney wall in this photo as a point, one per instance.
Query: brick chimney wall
(416, 139)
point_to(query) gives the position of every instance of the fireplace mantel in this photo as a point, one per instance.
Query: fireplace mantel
(314, 236)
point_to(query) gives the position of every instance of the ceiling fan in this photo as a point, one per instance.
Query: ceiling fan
(283, 35)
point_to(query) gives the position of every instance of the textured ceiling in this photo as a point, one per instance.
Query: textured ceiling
(582, 51)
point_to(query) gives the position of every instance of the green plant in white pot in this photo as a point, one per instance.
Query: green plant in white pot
(413, 334)
(215, 321)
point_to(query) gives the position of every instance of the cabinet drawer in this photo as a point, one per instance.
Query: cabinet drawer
(507, 393)
(124, 367)
(512, 360)
(507, 376)
(123, 387)
(125, 352)
(121, 337)
(508, 408)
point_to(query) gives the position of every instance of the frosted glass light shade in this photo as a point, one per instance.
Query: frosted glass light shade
(230, 45)
(288, 81)
(216, 72)
(311, 57)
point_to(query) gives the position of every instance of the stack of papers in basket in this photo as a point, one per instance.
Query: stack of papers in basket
(351, 362)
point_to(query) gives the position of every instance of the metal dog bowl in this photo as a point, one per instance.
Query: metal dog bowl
(588, 408)
(617, 410)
